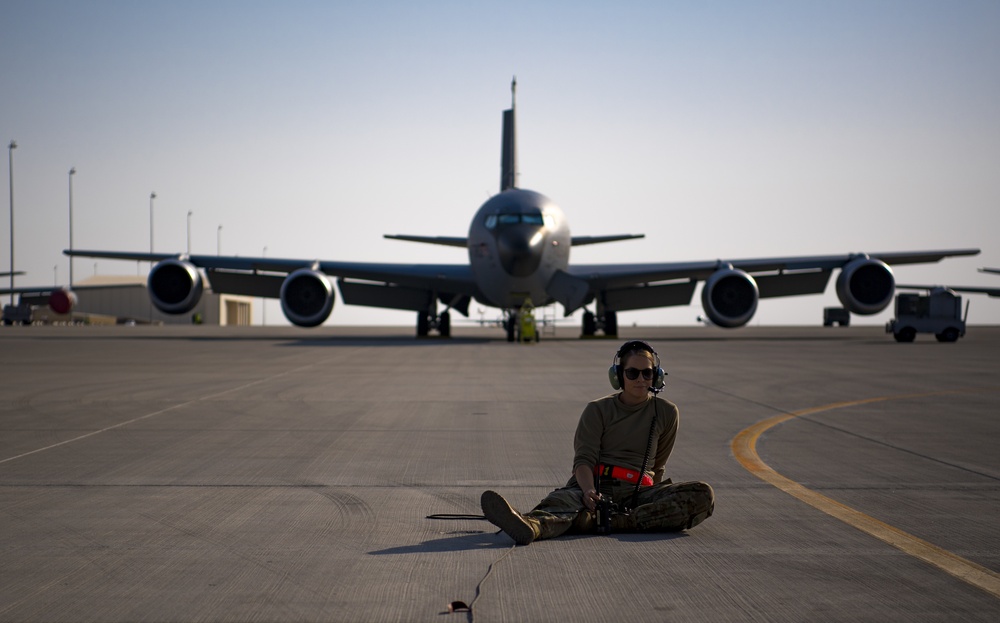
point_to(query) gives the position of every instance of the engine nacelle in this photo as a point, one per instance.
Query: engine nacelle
(62, 300)
(307, 297)
(730, 297)
(865, 286)
(175, 286)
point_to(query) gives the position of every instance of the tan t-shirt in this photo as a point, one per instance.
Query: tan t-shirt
(613, 433)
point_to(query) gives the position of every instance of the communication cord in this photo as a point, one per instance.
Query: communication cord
(645, 458)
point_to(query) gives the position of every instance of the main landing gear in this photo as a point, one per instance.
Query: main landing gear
(427, 322)
(606, 323)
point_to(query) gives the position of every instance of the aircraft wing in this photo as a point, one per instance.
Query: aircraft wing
(396, 286)
(639, 286)
(622, 275)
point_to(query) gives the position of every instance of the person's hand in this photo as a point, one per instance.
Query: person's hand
(590, 497)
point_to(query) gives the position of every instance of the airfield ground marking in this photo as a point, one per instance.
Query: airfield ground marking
(744, 447)
(158, 412)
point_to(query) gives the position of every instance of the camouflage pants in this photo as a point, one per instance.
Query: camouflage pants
(663, 507)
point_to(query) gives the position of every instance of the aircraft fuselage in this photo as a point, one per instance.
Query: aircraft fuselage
(517, 241)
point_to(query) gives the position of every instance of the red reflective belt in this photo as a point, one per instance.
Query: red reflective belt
(621, 473)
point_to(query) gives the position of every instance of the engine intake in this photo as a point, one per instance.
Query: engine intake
(175, 286)
(307, 297)
(865, 286)
(730, 297)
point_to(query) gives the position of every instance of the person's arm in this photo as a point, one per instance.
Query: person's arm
(587, 443)
(665, 444)
(585, 478)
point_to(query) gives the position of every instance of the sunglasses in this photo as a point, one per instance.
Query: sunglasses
(633, 373)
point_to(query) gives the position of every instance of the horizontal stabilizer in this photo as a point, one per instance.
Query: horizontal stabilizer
(447, 241)
(579, 241)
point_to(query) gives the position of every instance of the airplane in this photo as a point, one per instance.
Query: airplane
(993, 292)
(518, 247)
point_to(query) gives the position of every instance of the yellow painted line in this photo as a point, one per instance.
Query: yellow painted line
(744, 447)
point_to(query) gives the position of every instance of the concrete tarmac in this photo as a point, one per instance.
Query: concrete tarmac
(281, 474)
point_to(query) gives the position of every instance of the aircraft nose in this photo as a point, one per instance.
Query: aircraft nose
(520, 250)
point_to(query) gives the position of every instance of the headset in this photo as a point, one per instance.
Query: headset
(616, 373)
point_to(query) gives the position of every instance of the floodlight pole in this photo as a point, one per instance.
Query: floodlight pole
(263, 302)
(152, 196)
(10, 164)
(72, 172)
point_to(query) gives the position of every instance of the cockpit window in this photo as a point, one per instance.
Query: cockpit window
(510, 219)
(513, 219)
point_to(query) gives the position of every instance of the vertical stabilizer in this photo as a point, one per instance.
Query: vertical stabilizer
(508, 159)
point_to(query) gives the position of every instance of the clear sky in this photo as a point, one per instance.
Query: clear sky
(718, 129)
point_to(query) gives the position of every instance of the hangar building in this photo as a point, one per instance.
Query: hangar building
(125, 298)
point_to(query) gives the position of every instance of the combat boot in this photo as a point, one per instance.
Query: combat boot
(522, 529)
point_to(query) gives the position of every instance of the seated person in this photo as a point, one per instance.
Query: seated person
(615, 440)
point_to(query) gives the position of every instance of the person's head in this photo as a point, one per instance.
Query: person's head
(636, 365)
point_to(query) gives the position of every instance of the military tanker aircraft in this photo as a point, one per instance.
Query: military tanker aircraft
(518, 247)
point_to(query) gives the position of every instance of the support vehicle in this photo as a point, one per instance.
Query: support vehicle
(938, 312)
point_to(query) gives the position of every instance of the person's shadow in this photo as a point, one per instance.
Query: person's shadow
(464, 540)
(461, 540)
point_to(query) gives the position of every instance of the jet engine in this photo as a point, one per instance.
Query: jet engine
(175, 286)
(729, 297)
(307, 297)
(865, 286)
(62, 300)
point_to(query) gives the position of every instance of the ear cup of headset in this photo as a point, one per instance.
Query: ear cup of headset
(613, 377)
(658, 380)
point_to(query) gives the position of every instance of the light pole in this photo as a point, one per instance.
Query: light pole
(263, 303)
(10, 162)
(72, 172)
(189, 231)
(151, 197)
(218, 241)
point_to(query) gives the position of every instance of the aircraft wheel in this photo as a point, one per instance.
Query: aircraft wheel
(511, 322)
(423, 324)
(589, 324)
(906, 334)
(444, 324)
(611, 324)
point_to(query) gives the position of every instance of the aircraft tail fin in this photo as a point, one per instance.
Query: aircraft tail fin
(508, 159)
